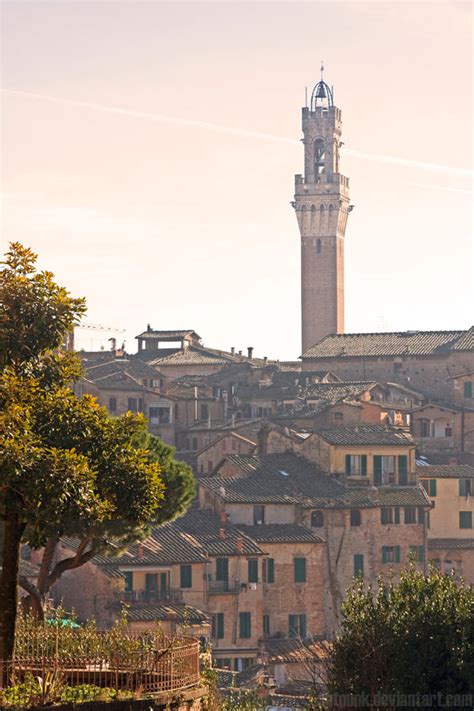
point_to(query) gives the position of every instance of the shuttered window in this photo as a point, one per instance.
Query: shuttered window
(222, 569)
(268, 570)
(403, 469)
(218, 625)
(186, 576)
(245, 628)
(300, 570)
(358, 564)
(468, 389)
(465, 519)
(266, 625)
(297, 626)
(465, 488)
(390, 554)
(253, 570)
(128, 581)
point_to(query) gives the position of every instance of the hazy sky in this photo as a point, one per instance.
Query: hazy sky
(175, 209)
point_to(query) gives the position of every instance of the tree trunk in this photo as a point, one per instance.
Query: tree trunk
(12, 533)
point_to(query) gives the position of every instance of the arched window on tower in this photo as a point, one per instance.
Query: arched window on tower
(319, 158)
(318, 246)
(331, 206)
(313, 208)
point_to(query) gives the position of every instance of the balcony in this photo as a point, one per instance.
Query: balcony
(222, 587)
(137, 597)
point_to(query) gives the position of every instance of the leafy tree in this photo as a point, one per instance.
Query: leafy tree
(66, 467)
(414, 637)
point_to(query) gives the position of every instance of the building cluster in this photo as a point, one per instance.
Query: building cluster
(349, 462)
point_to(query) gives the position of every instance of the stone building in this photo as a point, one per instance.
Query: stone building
(427, 361)
(451, 520)
(322, 206)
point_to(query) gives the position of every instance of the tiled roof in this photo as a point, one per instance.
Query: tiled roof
(288, 479)
(204, 527)
(226, 425)
(168, 335)
(237, 436)
(359, 435)
(119, 380)
(167, 611)
(193, 355)
(337, 391)
(408, 343)
(295, 651)
(450, 543)
(133, 366)
(281, 533)
(446, 471)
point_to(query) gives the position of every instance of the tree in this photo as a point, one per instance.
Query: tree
(66, 467)
(414, 637)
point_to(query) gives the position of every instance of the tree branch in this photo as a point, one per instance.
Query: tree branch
(70, 564)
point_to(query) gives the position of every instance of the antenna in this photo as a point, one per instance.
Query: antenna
(322, 69)
(306, 96)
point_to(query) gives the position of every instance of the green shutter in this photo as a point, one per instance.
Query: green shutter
(266, 624)
(244, 625)
(403, 469)
(432, 487)
(128, 581)
(421, 554)
(302, 626)
(358, 564)
(271, 570)
(397, 554)
(292, 626)
(151, 582)
(421, 515)
(220, 625)
(462, 487)
(384, 554)
(397, 514)
(363, 464)
(348, 463)
(253, 570)
(186, 576)
(468, 389)
(164, 583)
(300, 570)
(377, 469)
(222, 569)
(465, 519)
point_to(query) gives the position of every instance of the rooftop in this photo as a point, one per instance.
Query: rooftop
(174, 335)
(446, 471)
(450, 543)
(334, 392)
(402, 343)
(167, 611)
(361, 435)
(281, 533)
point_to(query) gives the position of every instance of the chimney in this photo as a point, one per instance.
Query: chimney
(240, 352)
(222, 534)
(141, 551)
(250, 351)
(148, 327)
(239, 545)
(232, 350)
(223, 518)
(265, 359)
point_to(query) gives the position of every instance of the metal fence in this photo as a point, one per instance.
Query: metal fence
(172, 666)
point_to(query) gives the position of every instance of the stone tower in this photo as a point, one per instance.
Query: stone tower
(322, 206)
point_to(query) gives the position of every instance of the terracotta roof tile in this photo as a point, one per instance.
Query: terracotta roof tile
(359, 435)
(445, 471)
(450, 543)
(167, 611)
(281, 533)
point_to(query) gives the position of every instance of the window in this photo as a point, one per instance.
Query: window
(151, 582)
(300, 570)
(317, 519)
(318, 246)
(319, 158)
(113, 404)
(448, 431)
(410, 514)
(429, 485)
(195, 443)
(358, 565)
(258, 515)
(297, 626)
(402, 469)
(128, 575)
(159, 415)
(222, 569)
(135, 404)
(384, 469)
(266, 625)
(468, 389)
(465, 519)
(253, 570)
(386, 515)
(390, 554)
(217, 630)
(204, 411)
(465, 487)
(186, 576)
(245, 625)
(176, 412)
(356, 464)
(355, 517)
(268, 570)
(425, 428)
(421, 515)
(417, 552)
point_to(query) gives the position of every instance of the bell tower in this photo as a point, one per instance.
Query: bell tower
(322, 206)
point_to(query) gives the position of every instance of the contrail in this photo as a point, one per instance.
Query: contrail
(441, 187)
(232, 130)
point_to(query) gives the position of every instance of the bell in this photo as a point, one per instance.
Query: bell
(321, 93)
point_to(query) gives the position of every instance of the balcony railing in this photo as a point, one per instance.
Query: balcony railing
(147, 596)
(217, 587)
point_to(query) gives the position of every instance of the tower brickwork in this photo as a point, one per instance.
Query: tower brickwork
(322, 207)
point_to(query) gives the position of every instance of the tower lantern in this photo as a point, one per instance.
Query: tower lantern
(322, 206)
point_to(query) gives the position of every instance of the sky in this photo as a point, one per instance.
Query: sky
(149, 151)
